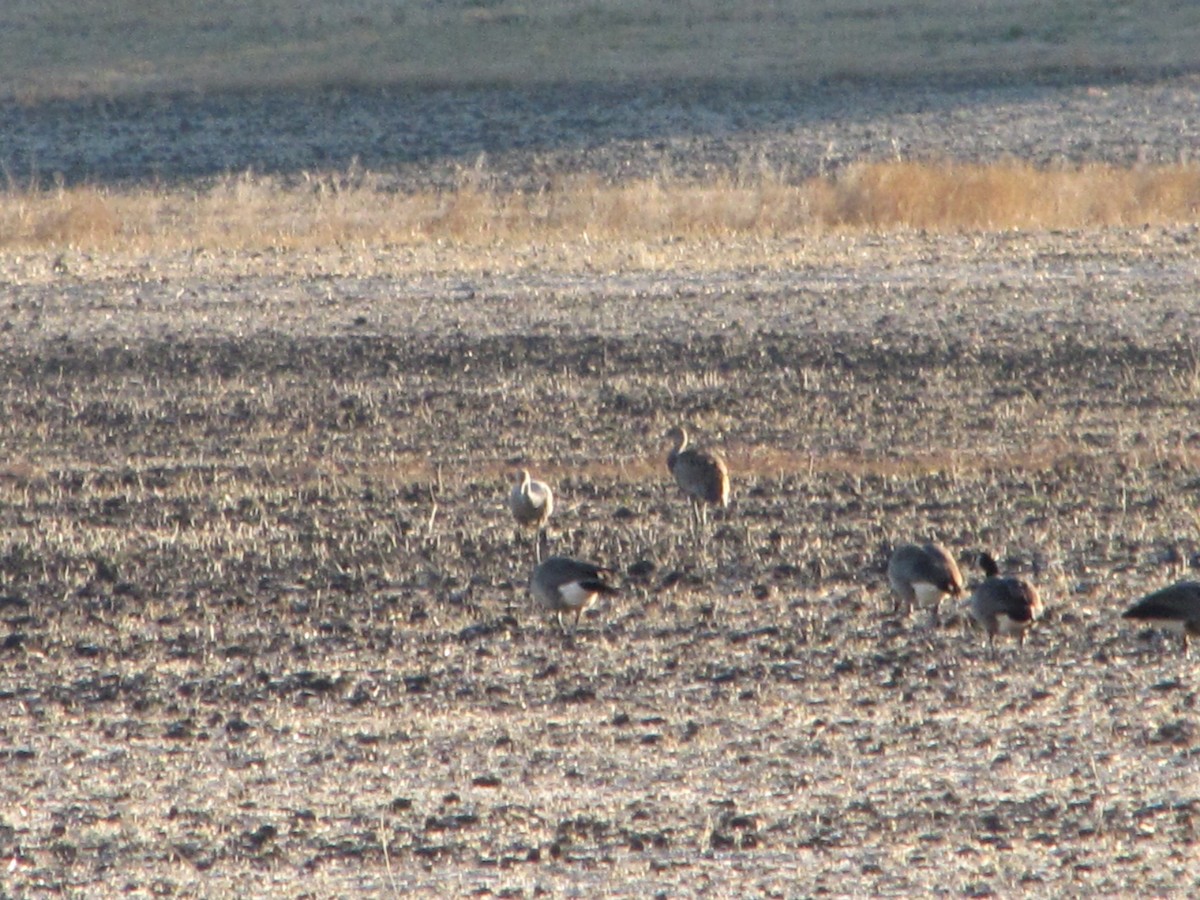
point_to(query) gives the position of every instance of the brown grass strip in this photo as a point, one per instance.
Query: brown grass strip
(252, 212)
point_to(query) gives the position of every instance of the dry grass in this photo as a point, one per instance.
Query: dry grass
(257, 212)
(1009, 195)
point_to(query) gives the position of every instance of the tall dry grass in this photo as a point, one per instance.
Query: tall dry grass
(1008, 195)
(250, 211)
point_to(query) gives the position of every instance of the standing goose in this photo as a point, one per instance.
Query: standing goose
(923, 575)
(700, 474)
(563, 585)
(1003, 605)
(1176, 608)
(531, 503)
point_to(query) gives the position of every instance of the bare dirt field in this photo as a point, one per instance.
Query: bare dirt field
(267, 630)
(265, 627)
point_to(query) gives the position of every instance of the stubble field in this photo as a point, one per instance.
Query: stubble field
(267, 627)
(265, 621)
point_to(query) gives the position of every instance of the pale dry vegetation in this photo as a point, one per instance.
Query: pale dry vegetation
(251, 212)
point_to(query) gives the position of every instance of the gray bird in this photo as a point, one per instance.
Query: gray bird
(701, 475)
(531, 503)
(1003, 605)
(923, 575)
(563, 585)
(1176, 608)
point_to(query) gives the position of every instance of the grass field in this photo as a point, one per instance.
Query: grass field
(264, 626)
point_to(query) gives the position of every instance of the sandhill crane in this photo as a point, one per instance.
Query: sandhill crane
(531, 503)
(924, 575)
(562, 584)
(1176, 608)
(700, 474)
(1003, 605)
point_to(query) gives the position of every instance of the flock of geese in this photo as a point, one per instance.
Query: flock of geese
(919, 575)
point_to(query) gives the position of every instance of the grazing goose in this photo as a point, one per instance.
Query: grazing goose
(1003, 605)
(700, 474)
(1176, 608)
(569, 585)
(923, 575)
(531, 503)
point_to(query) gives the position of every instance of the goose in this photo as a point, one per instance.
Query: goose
(700, 474)
(562, 584)
(1176, 608)
(1003, 605)
(531, 503)
(924, 575)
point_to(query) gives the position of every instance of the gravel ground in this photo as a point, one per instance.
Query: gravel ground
(430, 138)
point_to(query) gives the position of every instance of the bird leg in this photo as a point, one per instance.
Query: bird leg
(700, 522)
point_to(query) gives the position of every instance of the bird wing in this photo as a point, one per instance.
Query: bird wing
(703, 475)
(1017, 599)
(934, 567)
(1179, 601)
(539, 494)
(597, 586)
(1158, 609)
